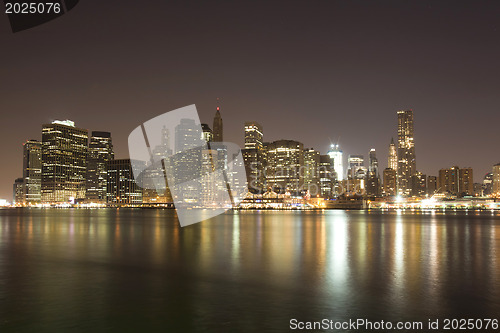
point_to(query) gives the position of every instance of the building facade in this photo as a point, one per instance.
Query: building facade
(32, 171)
(496, 180)
(456, 181)
(121, 185)
(100, 152)
(254, 156)
(311, 171)
(285, 159)
(218, 127)
(336, 155)
(406, 152)
(390, 182)
(64, 162)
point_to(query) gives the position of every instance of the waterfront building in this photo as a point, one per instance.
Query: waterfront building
(406, 152)
(327, 176)
(285, 158)
(336, 155)
(312, 171)
(488, 184)
(32, 171)
(456, 181)
(121, 186)
(218, 127)
(64, 162)
(100, 152)
(373, 176)
(18, 191)
(432, 183)
(390, 182)
(419, 185)
(254, 156)
(496, 180)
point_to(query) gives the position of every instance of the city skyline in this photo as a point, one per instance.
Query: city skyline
(338, 76)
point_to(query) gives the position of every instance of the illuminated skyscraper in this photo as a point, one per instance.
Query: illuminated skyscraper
(389, 182)
(373, 177)
(18, 191)
(64, 161)
(327, 176)
(121, 186)
(456, 181)
(253, 155)
(337, 155)
(285, 158)
(32, 171)
(100, 152)
(496, 180)
(393, 156)
(218, 128)
(311, 171)
(406, 152)
(356, 167)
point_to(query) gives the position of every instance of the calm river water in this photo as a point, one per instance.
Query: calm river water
(137, 270)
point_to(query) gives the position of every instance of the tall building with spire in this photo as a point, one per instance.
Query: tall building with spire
(406, 152)
(392, 163)
(217, 128)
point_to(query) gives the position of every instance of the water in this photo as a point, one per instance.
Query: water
(136, 270)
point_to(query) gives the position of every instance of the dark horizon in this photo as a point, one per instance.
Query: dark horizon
(315, 72)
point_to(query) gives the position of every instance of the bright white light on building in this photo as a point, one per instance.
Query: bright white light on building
(64, 122)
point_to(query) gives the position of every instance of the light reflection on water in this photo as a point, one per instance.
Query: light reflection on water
(133, 269)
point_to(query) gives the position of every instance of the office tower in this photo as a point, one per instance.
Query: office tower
(253, 155)
(217, 128)
(390, 180)
(431, 185)
(466, 181)
(285, 158)
(373, 176)
(456, 181)
(393, 156)
(327, 176)
(311, 168)
(208, 135)
(488, 184)
(496, 180)
(32, 171)
(100, 152)
(121, 186)
(18, 191)
(153, 178)
(373, 166)
(406, 152)
(419, 185)
(336, 155)
(356, 168)
(187, 159)
(64, 161)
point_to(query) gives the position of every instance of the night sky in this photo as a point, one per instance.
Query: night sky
(313, 71)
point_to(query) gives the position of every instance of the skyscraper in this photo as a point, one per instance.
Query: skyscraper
(100, 152)
(496, 180)
(32, 171)
(393, 156)
(337, 155)
(456, 181)
(406, 152)
(218, 128)
(389, 182)
(121, 186)
(253, 155)
(327, 176)
(18, 191)
(373, 177)
(64, 161)
(285, 158)
(311, 169)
